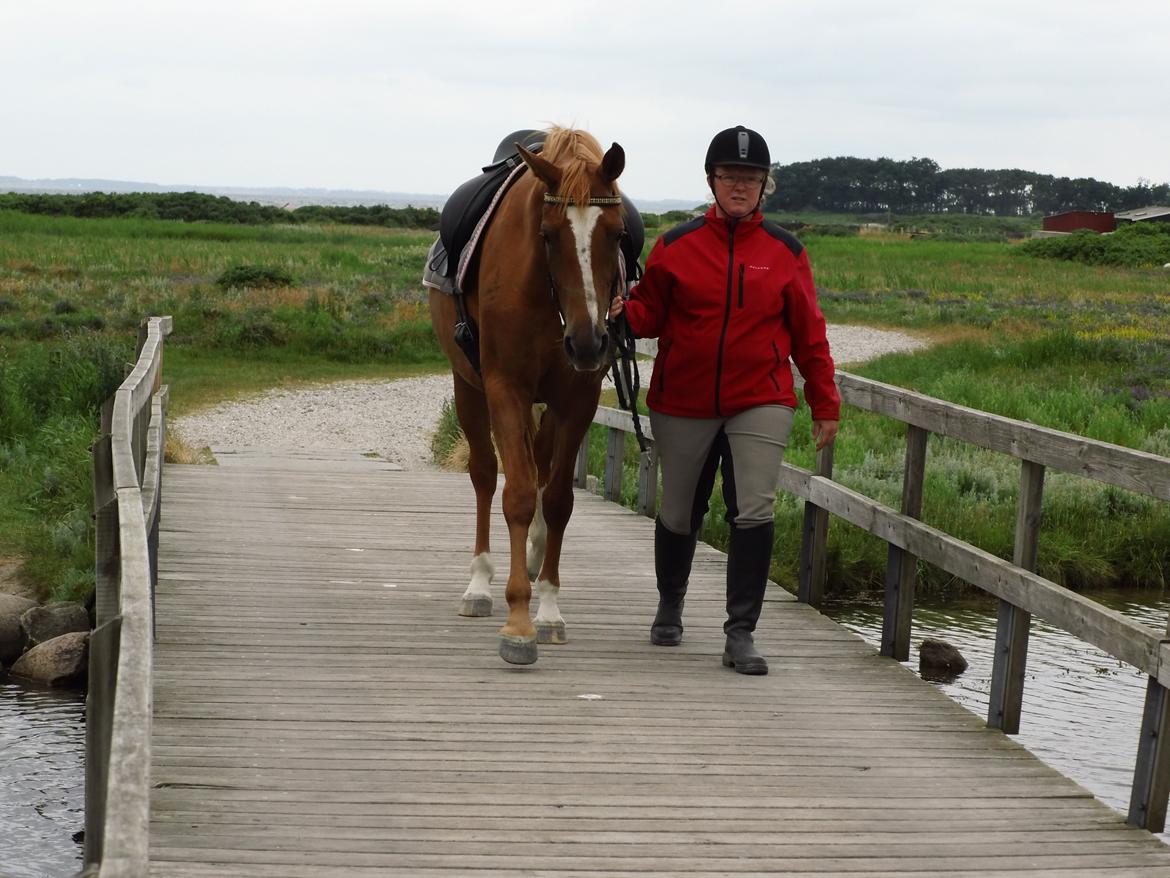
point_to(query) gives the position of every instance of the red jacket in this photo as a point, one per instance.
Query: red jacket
(729, 308)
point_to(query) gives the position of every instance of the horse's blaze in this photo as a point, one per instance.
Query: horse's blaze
(586, 345)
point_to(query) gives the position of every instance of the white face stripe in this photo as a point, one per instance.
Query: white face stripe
(582, 220)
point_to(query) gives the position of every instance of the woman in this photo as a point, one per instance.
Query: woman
(730, 297)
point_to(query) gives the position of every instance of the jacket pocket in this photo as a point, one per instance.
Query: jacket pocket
(741, 268)
(663, 352)
(776, 365)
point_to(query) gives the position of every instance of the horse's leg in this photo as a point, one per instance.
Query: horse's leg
(471, 407)
(558, 508)
(513, 429)
(550, 627)
(538, 531)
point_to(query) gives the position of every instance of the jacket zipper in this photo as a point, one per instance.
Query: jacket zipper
(741, 268)
(726, 312)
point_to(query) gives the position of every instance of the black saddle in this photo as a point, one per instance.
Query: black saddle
(462, 211)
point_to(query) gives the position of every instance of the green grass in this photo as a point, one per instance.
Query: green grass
(1074, 346)
(898, 282)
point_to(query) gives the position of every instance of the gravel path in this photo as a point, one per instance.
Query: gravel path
(395, 419)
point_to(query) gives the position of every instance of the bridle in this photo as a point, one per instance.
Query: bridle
(625, 365)
(619, 278)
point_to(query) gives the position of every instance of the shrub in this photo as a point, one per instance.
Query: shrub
(254, 276)
(1137, 245)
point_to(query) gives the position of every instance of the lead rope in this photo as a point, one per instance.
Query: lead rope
(626, 377)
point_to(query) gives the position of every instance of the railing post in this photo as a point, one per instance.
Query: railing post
(615, 453)
(648, 482)
(901, 566)
(1011, 633)
(814, 541)
(1151, 775)
(582, 470)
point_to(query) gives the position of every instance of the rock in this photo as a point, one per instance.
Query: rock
(11, 603)
(53, 620)
(937, 659)
(12, 636)
(12, 639)
(62, 661)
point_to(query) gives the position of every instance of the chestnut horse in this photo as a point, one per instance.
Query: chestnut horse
(548, 268)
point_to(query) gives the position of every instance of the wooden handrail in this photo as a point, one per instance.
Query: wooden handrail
(127, 479)
(1021, 591)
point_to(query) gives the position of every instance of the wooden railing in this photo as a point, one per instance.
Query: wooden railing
(127, 471)
(1021, 592)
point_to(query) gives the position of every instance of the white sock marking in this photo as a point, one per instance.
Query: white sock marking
(548, 611)
(482, 572)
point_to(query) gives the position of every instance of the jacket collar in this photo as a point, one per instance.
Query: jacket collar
(721, 227)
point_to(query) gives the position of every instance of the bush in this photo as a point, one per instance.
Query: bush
(254, 276)
(1136, 245)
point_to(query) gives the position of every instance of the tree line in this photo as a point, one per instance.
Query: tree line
(201, 207)
(852, 185)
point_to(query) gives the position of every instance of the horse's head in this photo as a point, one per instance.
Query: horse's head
(581, 227)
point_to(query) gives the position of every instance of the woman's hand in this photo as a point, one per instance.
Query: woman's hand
(616, 306)
(824, 432)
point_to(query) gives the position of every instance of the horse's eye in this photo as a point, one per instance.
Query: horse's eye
(544, 235)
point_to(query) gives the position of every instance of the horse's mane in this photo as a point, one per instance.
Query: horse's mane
(573, 151)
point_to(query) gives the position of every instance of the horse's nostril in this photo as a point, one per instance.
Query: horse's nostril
(603, 342)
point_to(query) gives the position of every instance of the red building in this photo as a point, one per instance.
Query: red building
(1080, 219)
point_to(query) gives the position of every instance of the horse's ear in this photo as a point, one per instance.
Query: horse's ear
(545, 170)
(613, 163)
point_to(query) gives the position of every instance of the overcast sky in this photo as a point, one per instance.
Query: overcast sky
(414, 96)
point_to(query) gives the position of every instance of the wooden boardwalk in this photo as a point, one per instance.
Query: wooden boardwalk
(321, 710)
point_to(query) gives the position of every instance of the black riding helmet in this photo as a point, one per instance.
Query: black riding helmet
(738, 146)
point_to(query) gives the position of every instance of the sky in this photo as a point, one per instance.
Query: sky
(415, 96)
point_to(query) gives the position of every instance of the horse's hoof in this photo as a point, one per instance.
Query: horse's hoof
(478, 605)
(551, 632)
(518, 650)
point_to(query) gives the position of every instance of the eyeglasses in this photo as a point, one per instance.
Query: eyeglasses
(733, 180)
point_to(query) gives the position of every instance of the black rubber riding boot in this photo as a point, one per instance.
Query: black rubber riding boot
(673, 554)
(749, 554)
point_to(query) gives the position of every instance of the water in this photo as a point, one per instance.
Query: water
(1082, 708)
(42, 780)
(1082, 712)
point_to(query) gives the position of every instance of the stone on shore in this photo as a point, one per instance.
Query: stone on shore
(12, 636)
(52, 620)
(62, 661)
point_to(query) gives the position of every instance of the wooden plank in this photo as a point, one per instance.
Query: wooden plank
(126, 841)
(321, 709)
(1123, 467)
